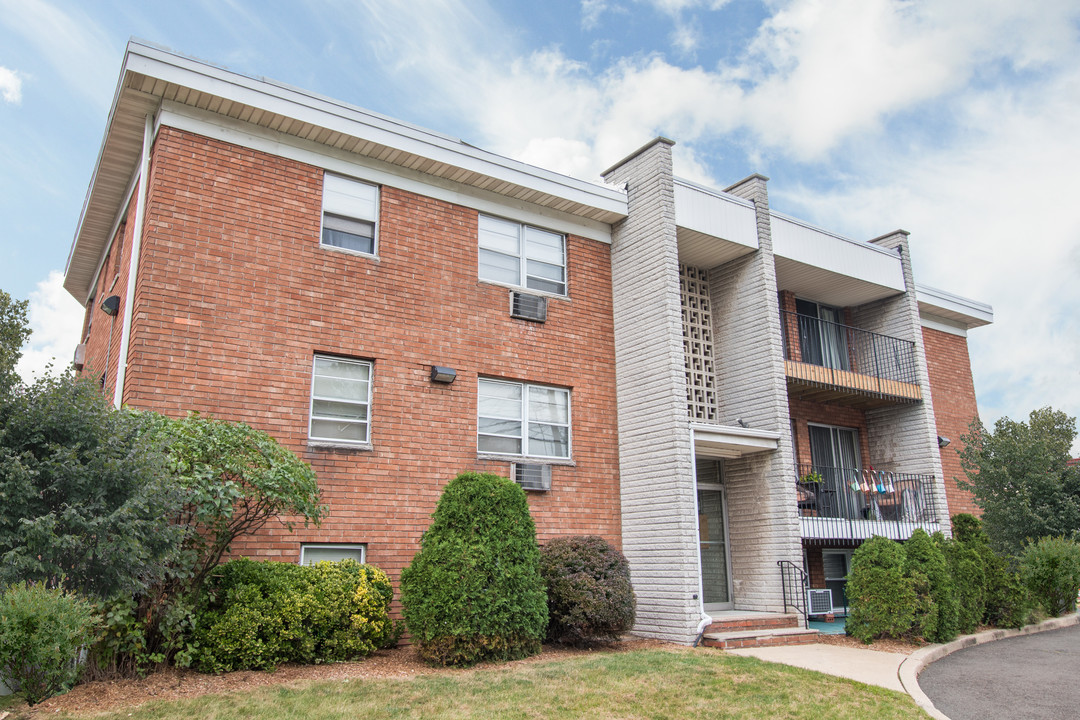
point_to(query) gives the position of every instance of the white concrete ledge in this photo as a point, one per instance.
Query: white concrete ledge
(911, 668)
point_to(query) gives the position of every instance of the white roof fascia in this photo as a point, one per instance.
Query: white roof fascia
(335, 115)
(806, 244)
(716, 214)
(237, 132)
(814, 228)
(954, 307)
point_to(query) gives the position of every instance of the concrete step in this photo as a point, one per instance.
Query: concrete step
(755, 621)
(759, 638)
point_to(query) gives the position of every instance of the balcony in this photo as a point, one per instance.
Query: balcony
(830, 362)
(849, 504)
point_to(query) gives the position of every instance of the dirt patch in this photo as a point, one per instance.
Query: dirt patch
(173, 684)
(905, 647)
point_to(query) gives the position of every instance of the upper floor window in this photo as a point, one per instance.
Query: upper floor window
(349, 214)
(822, 336)
(520, 419)
(340, 401)
(522, 255)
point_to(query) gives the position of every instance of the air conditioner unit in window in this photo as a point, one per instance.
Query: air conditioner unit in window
(528, 307)
(80, 356)
(819, 601)
(532, 476)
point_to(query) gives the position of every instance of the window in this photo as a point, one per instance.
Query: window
(822, 336)
(311, 554)
(349, 214)
(340, 400)
(510, 251)
(519, 419)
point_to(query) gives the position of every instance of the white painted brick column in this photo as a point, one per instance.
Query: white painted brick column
(762, 505)
(904, 437)
(659, 498)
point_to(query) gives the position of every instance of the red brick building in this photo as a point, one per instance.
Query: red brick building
(659, 363)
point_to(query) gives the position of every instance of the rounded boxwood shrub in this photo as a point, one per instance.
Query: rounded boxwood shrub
(474, 592)
(257, 615)
(588, 586)
(882, 595)
(1051, 570)
(42, 631)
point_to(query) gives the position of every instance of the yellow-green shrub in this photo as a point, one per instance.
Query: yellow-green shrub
(257, 615)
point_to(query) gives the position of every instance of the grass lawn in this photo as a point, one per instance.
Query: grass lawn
(656, 683)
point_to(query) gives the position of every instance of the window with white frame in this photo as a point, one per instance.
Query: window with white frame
(311, 553)
(340, 400)
(349, 214)
(522, 255)
(521, 419)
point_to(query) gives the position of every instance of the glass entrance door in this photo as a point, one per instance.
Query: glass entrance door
(712, 529)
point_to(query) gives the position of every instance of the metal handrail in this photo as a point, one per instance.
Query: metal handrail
(794, 582)
(844, 348)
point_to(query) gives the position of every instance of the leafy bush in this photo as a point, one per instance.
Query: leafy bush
(882, 595)
(257, 615)
(474, 592)
(85, 491)
(969, 582)
(1006, 601)
(924, 556)
(588, 588)
(41, 632)
(1051, 570)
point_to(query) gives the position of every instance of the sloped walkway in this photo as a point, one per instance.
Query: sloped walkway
(866, 666)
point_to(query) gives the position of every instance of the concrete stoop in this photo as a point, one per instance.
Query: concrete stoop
(744, 630)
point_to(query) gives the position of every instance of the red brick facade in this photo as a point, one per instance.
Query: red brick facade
(953, 392)
(235, 296)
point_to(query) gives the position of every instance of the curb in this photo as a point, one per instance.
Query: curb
(909, 669)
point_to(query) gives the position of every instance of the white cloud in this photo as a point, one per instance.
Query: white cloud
(76, 46)
(10, 86)
(56, 321)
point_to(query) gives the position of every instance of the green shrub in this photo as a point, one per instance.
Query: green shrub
(1051, 571)
(257, 615)
(588, 588)
(474, 592)
(1006, 601)
(882, 596)
(969, 582)
(41, 633)
(924, 556)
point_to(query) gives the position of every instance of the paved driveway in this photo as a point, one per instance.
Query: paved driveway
(1030, 676)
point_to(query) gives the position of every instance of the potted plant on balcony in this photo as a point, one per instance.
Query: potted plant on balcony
(807, 491)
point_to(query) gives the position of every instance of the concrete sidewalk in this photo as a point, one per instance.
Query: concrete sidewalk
(872, 667)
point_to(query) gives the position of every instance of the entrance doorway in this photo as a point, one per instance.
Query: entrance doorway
(712, 531)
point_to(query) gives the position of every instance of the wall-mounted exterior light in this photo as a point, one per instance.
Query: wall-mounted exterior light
(111, 305)
(942, 441)
(441, 374)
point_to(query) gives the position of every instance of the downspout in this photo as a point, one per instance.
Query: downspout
(706, 619)
(133, 266)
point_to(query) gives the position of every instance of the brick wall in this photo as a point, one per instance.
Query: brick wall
(236, 295)
(949, 366)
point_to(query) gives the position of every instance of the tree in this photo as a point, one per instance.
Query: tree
(14, 331)
(234, 479)
(1021, 480)
(85, 492)
(474, 592)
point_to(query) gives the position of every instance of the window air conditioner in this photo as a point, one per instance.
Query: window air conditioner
(819, 601)
(528, 307)
(533, 476)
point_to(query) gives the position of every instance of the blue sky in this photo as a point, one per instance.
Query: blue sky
(955, 120)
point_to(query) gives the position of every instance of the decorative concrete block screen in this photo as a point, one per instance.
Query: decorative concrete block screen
(698, 344)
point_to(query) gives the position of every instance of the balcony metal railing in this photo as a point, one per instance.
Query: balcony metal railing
(845, 349)
(848, 504)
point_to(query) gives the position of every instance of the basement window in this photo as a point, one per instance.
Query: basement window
(312, 553)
